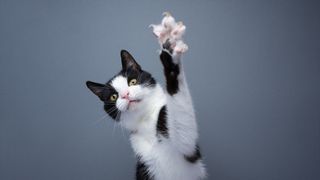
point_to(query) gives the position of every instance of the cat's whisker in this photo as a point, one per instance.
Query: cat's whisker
(110, 111)
(114, 125)
(109, 103)
(122, 132)
(118, 115)
(117, 119)
(100, 119)
(148, 83)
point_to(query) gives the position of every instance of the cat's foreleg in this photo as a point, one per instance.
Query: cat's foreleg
(182, 123)
(182, 127)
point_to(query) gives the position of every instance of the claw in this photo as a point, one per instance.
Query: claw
(170, 31)
(166, 13)
(180, 23)
(168, 21)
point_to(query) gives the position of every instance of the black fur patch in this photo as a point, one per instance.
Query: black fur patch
(162, 127)
(195, 156)
(142, 171)
(104, 91)
(132, 70)
(171, 72)
(113, 111)
(143, 77)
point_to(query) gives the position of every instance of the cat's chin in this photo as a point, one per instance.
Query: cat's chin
(133, 105)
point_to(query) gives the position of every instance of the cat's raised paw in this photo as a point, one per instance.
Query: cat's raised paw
(169, 34)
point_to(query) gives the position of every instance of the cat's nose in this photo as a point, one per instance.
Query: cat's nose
(125, 95)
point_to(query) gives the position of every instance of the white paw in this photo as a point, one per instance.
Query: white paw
(172, 31)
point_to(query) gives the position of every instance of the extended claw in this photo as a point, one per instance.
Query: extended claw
(168, 21)
(178, 30)
(166, 13)
(170, 31)
(157, 30)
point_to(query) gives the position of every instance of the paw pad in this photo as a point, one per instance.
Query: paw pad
(170, 31)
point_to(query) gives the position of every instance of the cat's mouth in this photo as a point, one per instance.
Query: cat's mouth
(133, 102)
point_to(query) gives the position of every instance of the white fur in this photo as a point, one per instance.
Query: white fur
(164, 158)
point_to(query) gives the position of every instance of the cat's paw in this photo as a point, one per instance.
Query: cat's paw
(169, 34)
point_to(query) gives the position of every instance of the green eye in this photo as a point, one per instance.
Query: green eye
(113, 97)
(133, 82)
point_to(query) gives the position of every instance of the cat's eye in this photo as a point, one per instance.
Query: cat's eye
(133, 82)
(113, 97)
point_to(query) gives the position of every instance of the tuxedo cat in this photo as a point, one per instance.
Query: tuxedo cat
(161, 121)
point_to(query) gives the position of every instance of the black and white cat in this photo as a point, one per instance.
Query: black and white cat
(162, 123)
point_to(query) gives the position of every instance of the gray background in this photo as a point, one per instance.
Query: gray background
(253, 69)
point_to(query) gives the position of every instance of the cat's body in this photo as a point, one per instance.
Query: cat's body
(162, 123)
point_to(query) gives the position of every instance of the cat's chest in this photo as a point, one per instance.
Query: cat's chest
(143, 144)
(163, 161)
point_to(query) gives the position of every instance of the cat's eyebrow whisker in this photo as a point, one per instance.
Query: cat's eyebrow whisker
(148, 83)
(139, 77)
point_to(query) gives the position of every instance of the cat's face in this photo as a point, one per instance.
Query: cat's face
(127, 91)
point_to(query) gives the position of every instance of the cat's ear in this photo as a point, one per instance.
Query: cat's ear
(128, 61)
(96, 88)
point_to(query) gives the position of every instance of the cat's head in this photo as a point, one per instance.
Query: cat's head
(127, 91)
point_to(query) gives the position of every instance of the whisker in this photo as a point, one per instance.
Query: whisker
(111, 110)
(122, 132)
(114, 125)
(100, 119)
(109, 103)
(148, 84)
(118, 115)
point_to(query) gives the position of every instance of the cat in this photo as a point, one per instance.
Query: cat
(161, 121)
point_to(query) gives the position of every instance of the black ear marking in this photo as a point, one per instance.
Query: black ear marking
(128, 61)
(96, 88)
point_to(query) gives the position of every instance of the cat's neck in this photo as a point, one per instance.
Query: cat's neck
(141, 121)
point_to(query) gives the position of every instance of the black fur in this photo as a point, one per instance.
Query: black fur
(104, 91)
(142, 171)
(162, 123)
(171, 70)
(195, 156)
